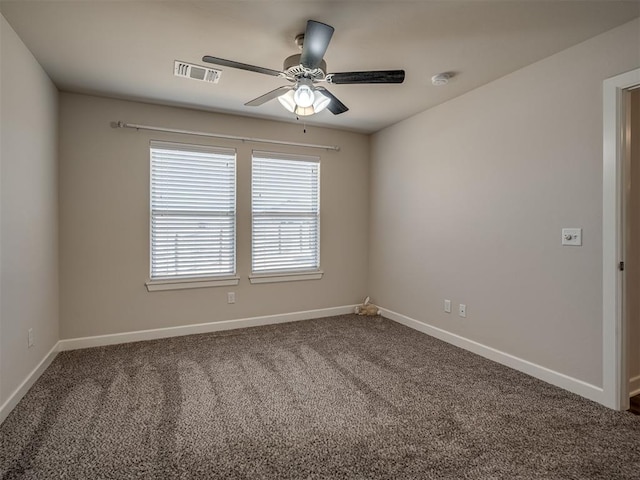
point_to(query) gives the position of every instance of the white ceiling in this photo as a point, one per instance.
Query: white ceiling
(126, 49)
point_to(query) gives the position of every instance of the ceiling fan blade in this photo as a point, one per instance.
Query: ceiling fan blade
(335, 106)
(379, 76)
(269, 96)
(241, 66)
(315, 44)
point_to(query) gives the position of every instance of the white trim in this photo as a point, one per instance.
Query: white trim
(613, 366)
(561, 380)
(634, 386)
(154, 334)
(285, 277)
(28, 382)
(161, 285)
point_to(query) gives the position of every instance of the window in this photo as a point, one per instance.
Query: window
(285, 198)
(193, 214)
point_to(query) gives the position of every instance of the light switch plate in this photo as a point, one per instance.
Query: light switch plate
(572, 236)
(447, 306)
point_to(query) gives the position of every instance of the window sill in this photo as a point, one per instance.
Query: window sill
(286, 277)
(160, 285)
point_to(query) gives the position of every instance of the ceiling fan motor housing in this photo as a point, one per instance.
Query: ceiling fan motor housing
(295, 70)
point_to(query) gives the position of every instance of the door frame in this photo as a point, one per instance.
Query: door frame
(615, 381)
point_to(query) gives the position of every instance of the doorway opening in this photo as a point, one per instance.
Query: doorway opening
(617, 233)
(631, 209)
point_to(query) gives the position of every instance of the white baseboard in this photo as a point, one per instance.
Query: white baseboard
(634, 386)
(28, 382)
(157, 333)
(561, 380)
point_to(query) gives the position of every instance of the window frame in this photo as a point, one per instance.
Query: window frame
(161, 283)
(286, 275)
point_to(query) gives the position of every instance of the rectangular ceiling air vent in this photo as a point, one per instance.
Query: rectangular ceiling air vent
(196, 72)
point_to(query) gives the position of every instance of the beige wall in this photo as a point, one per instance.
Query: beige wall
(633, 259)
(469, 199)
(28, 212)
(104, 220)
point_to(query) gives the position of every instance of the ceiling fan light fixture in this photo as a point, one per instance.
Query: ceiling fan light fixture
(321, 102)
(303, 95)
(287, 101)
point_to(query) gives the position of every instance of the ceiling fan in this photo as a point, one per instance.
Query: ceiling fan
(305, 70)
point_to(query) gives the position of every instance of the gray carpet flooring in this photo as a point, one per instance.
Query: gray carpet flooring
(344, 397)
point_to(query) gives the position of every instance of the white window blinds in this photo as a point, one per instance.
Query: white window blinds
(193, 211)
(285, 213)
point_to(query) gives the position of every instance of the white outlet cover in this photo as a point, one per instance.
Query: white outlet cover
(572, 237)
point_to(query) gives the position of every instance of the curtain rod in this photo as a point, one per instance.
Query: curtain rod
(218, 135)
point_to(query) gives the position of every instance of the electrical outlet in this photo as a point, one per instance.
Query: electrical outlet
(30, 338)
(462, 310)
(447, 306)
(231, 297)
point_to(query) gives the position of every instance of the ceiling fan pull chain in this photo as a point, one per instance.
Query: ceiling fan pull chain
(304, 124)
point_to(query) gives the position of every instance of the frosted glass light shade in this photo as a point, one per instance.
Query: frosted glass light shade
(321, 102)
(287, 101)
(304, 96)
